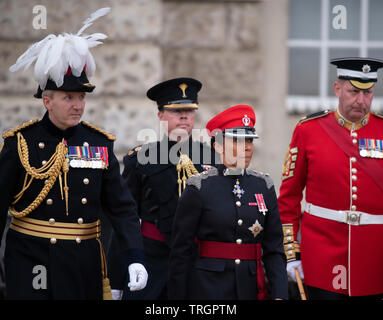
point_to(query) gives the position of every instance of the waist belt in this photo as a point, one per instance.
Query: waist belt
(344, 216)
(66, 231)
(228, 250)
(56, 230)
(245, 251)
(149, 230)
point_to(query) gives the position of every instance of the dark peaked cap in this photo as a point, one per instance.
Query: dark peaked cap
(175, 94)
(361, 72)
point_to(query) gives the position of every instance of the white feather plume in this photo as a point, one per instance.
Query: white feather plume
(93, 17)
(54, 54)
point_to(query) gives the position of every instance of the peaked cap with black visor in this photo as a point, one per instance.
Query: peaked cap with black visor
(361, 72)
(176, 94)
(237, 122)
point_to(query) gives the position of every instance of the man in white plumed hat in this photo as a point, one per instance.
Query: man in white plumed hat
(57, 175)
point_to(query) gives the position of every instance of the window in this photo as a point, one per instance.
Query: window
(313, 42)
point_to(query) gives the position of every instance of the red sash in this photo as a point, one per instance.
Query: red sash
(342, 138)
(226, 250)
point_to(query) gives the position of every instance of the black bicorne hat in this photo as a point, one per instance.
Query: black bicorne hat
(71, 83)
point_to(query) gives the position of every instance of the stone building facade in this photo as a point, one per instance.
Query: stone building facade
(237, 49)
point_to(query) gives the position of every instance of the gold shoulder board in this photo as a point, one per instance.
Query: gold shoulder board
(106, 134)
(377, 115)
(11, 132)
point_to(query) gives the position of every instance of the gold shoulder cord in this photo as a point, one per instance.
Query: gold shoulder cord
(186, 165)
(54, 167)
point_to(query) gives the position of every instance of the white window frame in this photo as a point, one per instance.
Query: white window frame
(305, 104)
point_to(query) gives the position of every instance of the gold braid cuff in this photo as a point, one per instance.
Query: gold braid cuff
(186, 165)
(50, 171)
(291, 247)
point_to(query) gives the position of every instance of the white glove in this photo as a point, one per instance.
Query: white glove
(291, 266)
(138, 277)
(116, 294)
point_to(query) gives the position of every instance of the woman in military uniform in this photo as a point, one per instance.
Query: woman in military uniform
(232, 212)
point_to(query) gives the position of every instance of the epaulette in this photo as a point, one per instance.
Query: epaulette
(133, 151)
(377, 115)
(264, 176)
(11, 132)
(106, 134)
(196, 180)
(315, 115)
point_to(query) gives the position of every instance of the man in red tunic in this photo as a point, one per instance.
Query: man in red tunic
(338, 158)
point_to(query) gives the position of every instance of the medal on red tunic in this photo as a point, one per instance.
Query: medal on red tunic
(261, 203)
(363, 151)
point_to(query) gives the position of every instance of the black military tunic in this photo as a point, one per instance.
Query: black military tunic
(150, 171)
(73, 268)
(210, 210)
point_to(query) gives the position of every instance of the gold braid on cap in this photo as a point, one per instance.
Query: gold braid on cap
(186, 165)
(52, 169)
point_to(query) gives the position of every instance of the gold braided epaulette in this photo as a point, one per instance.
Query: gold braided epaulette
(12, 132)
(377, 115)
(106, 134)
(315, 115)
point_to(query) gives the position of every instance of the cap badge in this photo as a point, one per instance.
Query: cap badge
(183, 87)
(246, 120)
(366, 68)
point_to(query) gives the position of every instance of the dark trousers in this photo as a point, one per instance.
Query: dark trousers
(320, 294)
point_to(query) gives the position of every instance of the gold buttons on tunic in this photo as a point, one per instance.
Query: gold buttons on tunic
(354, 141)
(85, 181)
(53, 240)
(353, 207)
(238, 241)
(41, 145)
(85, 144)
(43, 162)
(237, 261)
(354, 189)
(353, 170)
(84, 201)
(353, 159)
(354, 197)
(52, 221)
(240, 222)
(353, 177)
(238, 203)
(78, 240)
(80, 220)
(49, 202)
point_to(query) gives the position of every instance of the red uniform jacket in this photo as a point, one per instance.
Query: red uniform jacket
(337, 257)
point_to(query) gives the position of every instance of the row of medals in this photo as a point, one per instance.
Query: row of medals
(92, 163)
(378, 154)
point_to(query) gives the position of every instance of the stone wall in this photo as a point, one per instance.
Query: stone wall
(235, 48)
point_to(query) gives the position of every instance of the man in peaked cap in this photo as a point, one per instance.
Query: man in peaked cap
(338, 158)
(57, 175)
(156, 173)
(233, 212)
